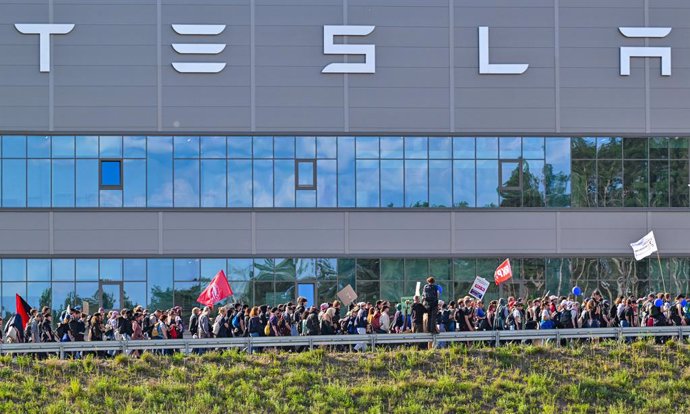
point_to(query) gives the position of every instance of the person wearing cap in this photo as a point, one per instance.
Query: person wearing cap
(361, 326)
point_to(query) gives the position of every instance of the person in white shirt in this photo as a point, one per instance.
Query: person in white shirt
(385, 319)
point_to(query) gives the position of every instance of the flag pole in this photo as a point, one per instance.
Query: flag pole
(663, 281)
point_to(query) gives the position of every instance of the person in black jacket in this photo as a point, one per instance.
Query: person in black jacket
(124, 324)
(418, 311)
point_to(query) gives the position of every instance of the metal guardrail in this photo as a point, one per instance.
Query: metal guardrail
(371, 340)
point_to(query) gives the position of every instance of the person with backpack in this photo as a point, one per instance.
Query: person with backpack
(237, 323)
(220, 325)
(254, 327)
(430, 301)
(124, 324)
(361, 325)
(194, 322)
(501, 317)
(204, 324)
(312, 324)
(326, 325)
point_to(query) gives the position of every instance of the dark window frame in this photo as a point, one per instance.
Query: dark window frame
(100, 174)
(299, 161)
(520, 163)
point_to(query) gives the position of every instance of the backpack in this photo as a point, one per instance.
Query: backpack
(312, 324)
(565, 319)
(376, 322)
(500, 318)
(174, 332)
(267, 330)
(216, 326)
(236, 321)
(430, 294)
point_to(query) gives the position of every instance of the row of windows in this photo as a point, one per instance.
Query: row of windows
(160, 283)
(370, 172)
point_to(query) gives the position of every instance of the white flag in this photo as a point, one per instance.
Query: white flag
(645, 246)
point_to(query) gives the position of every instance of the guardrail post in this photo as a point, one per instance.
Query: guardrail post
(373, 342)
(619, 332)
(311, 343)
(62, 352)
(558, 338)
(498, 338)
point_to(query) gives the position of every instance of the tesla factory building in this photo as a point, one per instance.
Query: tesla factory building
(306, 145)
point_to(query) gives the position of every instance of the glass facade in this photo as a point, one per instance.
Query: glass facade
(363, 171)
(160, 283)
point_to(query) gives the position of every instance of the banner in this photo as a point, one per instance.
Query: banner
(347, 295)
(216, 291)
(503, 272)
(644, 247)
(479, 288)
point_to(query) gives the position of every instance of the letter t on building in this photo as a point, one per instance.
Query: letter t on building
(44, 31)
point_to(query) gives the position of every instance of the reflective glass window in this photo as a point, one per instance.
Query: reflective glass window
(305, 269)
(186, 188)
(327, 190)
(392, 147)
(87, 146)
(679, 148)
(9, 299)
(135, 294)
(63, 183)
(367, 183)
(306, 198)
(209, 268)
(416, 147)
(367, 147)
(533, 183)
(658, 148)
(584, 147)
(440, 183)
(635, 148)
(159, 172)
(213, 183)
(487, 183)
(510, 147)
(134, 186)
(13, 183)
(87, 269)
(240, 269)
(440, 147)
(239, 183)
(213, 147)
(111, 173)
(326, 147)
(463, 183)
(38, 183)
(557, 172)
(110, 147)
(134, 269)
(134, 146)
(263, 183)
(160, 283)
(91, 294)
(463, 148)
(610, 183)
(13, 146)
(635, 179)
(240, 147)
(187, 269)
(110, 198)
(368, 269)
(305, 147)
(487, 147)
(533, 148)
(13, 270)
(38, 270)
(306, 173)
(63, 269)
(679, 190)
(392, 187)
(186, 147)
(38, 294)
(87, 183)
(416, 183)
(38, 146)
(284, 183)
(284, 147)
(659, 183)
(346, 172)
(63, 147)
(186, 294)
(609, 148)
(263, 147)
(584, 183)
(63, 295)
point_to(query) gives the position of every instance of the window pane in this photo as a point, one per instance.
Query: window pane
(209, 268)
(305, 171)
(510, 147)
(9, 299)
(240, 147)
(87, 146)
(327, 191)
(213, 147)
(305, 147)
(635, 148)
(285, 183)
(13, 183)
(464, 270)
(38, 269)
(87, 183)
(186, 189)
(327, 268)
(635, 183)
(584, 184)
(368, 269)
(533, 183)
(63, 295)
(487, 147)
(187, 269)
(463, 147)
(159, 172)
(533, 148)
(134, 146)
(135, 294)
(440, 183)
(13, 146)
(110, 269)
(416, 183)
(38, 146)
(213, 183)
(440, 147)
(111, 198)
(63, 147)
(610, 185)
(186, 147)
(89, 292)
(87, 269)
(463, 183)
(557, 172)
(63, 269)
(306, 198)
(39, 295)
(367, 147)
(392, 147)
(584, 147)
(368, 291)
(263, 183)
(305, 269)
(111, 173)
(326, 147)
(367, 183)
(392, 270)
(263, 147)
(679, 184)
(160, 281)
(679, 148)
(416, 147)
(346, 172)
(38, 183)
(63, 183)
(346, 273)
(658, 148)
(392, 194)
(134, 186)
(110, 147)
(609, 148)
(240, 269)
(284, 147)
(416, 270)
(440, 269)
(13, 270)
(487, 183)
(134, 269)
(239, 183)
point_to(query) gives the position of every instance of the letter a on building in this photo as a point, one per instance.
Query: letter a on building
(503, 272)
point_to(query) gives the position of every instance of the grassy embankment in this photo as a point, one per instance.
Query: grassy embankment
(608, 377)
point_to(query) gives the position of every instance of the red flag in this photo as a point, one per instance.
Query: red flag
(503, 272)
(23, 309)
(216, 291)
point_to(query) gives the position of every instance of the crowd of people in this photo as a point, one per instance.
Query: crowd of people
(425, 313)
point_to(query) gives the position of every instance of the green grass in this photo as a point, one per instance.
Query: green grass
(599, 378)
